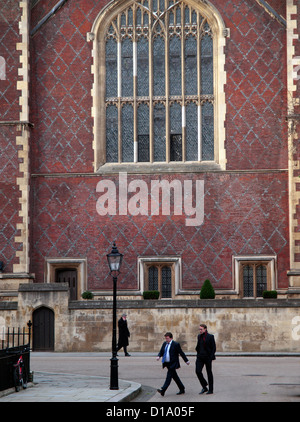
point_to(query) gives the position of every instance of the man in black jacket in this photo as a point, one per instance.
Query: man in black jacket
(206, 349)
(124, 334)
(170, 351)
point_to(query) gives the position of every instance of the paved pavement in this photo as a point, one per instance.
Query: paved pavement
(85, 377)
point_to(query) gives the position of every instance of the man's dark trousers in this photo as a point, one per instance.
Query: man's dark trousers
(200, 362)
(172, 374)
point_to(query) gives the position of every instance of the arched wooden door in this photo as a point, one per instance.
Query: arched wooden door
(43, 329)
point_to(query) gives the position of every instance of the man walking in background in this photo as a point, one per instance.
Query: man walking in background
(206, 349)
(124, 334)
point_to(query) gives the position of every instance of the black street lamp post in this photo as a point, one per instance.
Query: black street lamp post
(114, 261)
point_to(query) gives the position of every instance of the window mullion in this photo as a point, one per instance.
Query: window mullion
(183, 119)
(159, 280)
(135, 131)
(134, 64)
(151, 107)
(119, 130)
(199, 87)
(254, 280)
(119, 70)
(167, 84)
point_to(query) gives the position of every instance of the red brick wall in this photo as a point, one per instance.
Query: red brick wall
(256, 87)
(244, 214)
(61, 90)
(296, 148)
(9, 111)
(9, 35)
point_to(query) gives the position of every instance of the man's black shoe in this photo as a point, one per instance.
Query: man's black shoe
(210, 392)
(180, 392)
(161, 392)
(203, 390)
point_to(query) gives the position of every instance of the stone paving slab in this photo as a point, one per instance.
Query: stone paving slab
(58, 387)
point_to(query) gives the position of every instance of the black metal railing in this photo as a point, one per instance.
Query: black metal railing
(14, 342)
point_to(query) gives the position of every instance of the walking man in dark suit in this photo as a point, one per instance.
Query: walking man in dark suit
(170, 351)
(124, 334)
(206, 349)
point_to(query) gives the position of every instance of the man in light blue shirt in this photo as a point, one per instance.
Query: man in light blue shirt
(170, 352)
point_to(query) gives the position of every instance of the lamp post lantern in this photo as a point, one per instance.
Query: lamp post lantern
(114, 262)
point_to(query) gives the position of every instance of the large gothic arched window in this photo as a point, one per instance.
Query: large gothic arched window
(158, 90)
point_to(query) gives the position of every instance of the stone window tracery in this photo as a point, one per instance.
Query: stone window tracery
(157, 63)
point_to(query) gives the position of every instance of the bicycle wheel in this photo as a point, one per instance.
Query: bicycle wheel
(17, 382)
(24, 378)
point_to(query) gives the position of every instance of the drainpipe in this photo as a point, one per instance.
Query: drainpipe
(48, 16)
(272, 11)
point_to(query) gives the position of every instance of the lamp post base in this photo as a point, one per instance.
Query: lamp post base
(114, 383)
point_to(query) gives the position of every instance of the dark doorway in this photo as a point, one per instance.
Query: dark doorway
(68, 275)
(176, 147)
(43, 330)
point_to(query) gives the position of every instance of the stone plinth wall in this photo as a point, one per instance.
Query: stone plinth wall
(238, 325)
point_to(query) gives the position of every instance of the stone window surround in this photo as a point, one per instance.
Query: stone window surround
(96, 34)
(80, 264)
(269, 260)
(174, 261)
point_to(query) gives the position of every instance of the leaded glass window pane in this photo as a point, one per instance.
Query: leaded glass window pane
(143, 148)
(194, 17)
(190, 65)
(143, 134)
(153, 278)
(175, 113)
(207, 74)
(207, 120)
(112, 134)
(178, 16)
(111, 68)
(146, 16)
(159, 133)
(186, 15)
(166, 282)
(161, 5)
(127, 133)
(130, 17)
(176, 137)
(248, 280)
(175, 66)
(143, 67)
(159, 66)
(127, 66)
(261, 280)
(176, 147)
(139, 72)
(138, 16)
(192, 132)
(171, 18)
